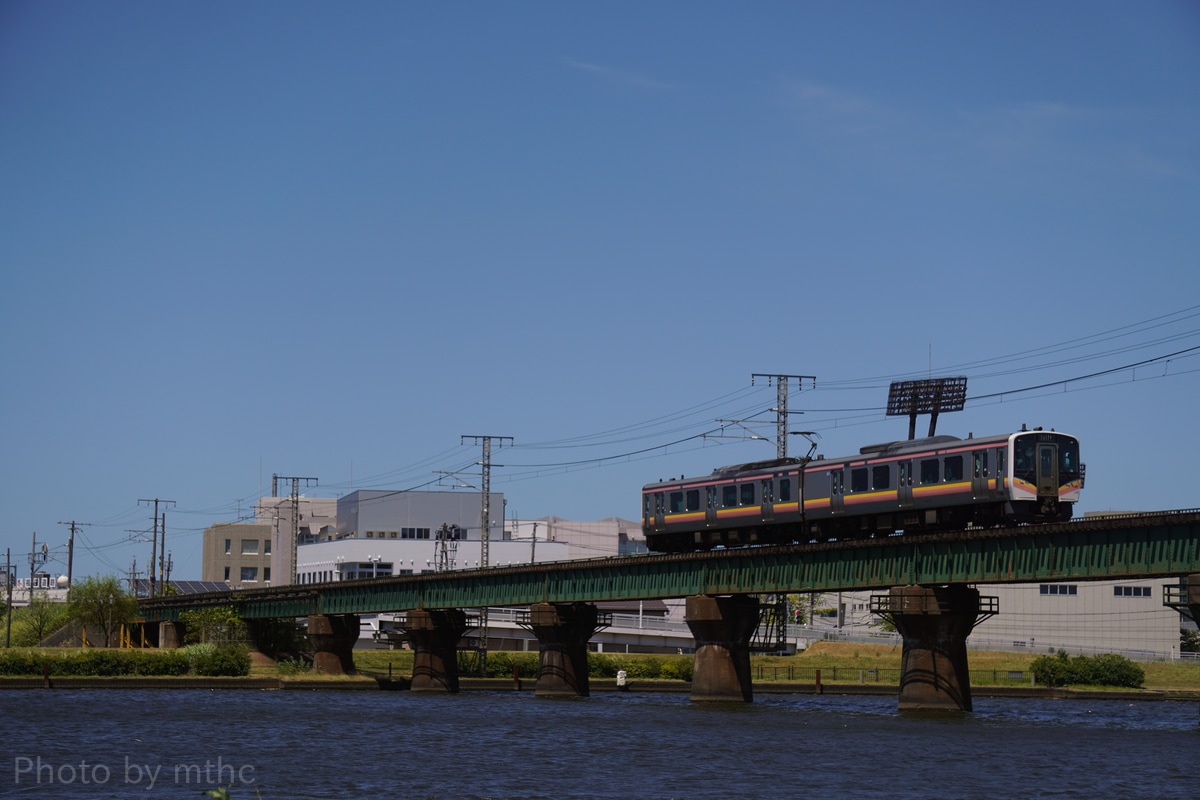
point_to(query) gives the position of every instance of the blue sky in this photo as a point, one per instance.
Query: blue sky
(329, 240)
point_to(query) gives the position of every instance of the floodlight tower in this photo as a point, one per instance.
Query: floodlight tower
(930, 396)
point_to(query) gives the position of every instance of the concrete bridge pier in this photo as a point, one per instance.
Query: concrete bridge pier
(934, 623)
(435, 634)
(722, 628)
(170, 635)
(332, 637)
(563, 631)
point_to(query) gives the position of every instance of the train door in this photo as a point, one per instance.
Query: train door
(837, 485)
(1047, 470)
(711, 497)
(904, 495)
(660, 500)
(979, 474)
(767, 490)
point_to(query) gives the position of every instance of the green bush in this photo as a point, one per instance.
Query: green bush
(602, 665)
(678, 669)
(231, 660)
(159, 662)
(643, 669)
(500, 665)
(1104, 670)
(17, 661)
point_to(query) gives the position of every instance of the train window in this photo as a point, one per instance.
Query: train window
(747, 494)
(768, 490)
(693, 500)
(929, 471)
(1024, 456)
(881, 477)
(676, 502)
(785, 489)
(729, 496)
(1068, 457)
(954, 468)
(858, 479)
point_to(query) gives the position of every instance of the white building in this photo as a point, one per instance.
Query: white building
(1080, 617)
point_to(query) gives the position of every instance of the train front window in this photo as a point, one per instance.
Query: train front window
(1068, 457)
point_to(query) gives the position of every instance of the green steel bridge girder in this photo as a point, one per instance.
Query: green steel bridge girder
(1136, 546)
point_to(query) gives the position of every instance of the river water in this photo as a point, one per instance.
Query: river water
(93, 744)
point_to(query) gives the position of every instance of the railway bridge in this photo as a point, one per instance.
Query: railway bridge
(930, 583)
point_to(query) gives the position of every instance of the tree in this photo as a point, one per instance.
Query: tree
(216, 624)
(1189, 641)
(41, 618)
(101, 604)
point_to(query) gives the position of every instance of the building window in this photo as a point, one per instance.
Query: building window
(228, 545)
(1131, 591)
(249, 573)
(227, 573)
(1058, 588)
(266, 573)
(249, 547)
(266, 547)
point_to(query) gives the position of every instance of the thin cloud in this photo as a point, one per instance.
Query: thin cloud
(625, 77)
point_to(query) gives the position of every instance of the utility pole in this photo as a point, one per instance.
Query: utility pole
(8, 590)
(154, 544)
(71, 549)
(36, 558)
(485, 528)
(162, 555)
(295, 498)
(781, 405)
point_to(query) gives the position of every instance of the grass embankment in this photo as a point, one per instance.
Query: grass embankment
(840, 662)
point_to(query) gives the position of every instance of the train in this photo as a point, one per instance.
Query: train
(920, 485)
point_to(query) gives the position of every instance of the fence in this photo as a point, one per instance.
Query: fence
(978, 677)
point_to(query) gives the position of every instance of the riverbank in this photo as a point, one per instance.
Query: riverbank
(364, 682)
